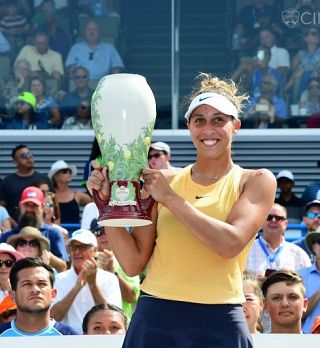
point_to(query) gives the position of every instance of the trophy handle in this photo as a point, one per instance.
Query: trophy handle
(147, 204)
(101, 205)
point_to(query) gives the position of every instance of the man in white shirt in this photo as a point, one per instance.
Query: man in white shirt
(271, 251)
(84, 284)
(280, 58)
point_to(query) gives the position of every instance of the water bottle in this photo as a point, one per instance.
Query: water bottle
(97, 9)
(235, 42)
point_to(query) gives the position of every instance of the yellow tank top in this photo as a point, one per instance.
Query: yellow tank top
(182, 268)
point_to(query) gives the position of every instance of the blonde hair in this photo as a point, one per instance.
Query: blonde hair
(227, 88)
(251, 279)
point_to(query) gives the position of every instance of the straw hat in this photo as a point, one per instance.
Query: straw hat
(32, 232)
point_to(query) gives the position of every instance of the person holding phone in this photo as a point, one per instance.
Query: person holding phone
(267, 107)
(201, 232)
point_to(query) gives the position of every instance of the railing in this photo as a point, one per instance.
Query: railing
(293, 232)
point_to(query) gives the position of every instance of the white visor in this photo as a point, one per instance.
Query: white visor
(215, 100)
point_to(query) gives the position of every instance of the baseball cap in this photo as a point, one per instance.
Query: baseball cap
(32, 194)
(83, 236)
(218, 101)
(29, 98)
(310, 204)
(160, 146)
(285, 174)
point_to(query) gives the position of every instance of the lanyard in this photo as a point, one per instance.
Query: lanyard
(270, 258)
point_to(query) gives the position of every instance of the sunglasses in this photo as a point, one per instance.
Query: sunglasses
(7, 263)
(49, 205)
(26, 155)
(312, 215)
(65, 171)
(276, 217)
(316, 241)
(99, 232)
(33, 243)
(312, 33)
(155, 155)
(84, 107)
(80, 77)
(81, 247)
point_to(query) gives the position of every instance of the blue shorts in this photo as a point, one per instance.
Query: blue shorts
(158, 323)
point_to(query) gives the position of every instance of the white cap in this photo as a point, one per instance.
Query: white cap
(218, 101)
(285, 174)
(160, 146)
(83, 236)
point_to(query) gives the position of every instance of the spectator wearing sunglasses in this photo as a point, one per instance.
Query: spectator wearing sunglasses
(100, 58)
(31, 214)
(8, 257)
(81, 92)
(24, 115)
(159, 156)
(311, 219)
(24, 176)
(84, 284)
(305, 64)
(81, 119)
(70, 201)
(270, 251)
(310, 98)
(311, 280)
(31, 243)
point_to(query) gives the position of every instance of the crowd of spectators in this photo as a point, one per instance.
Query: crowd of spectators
(277, 44)
(57, 57)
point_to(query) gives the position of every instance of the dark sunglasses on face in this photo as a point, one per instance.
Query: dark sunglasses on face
(7, 263)
(317, 241)
(79, 77)
(312, 215)
(99, 232)
(65, 171)
(81, 247)
(314, 86)
(34, 243)
(276, 217)
(155, 155)
(50, 205)
(312, 33)
(26, 155)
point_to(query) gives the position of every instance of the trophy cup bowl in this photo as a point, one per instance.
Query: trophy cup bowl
(123, 112)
